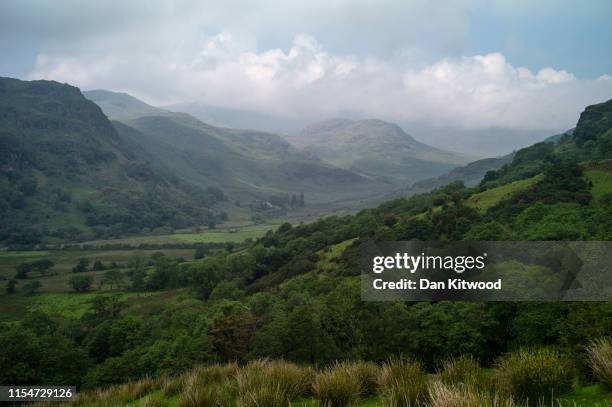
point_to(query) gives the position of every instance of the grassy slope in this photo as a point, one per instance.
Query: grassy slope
(600, 175)
(491, 197)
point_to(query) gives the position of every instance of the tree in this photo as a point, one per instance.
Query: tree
(98, 266)
(32, 287)
(81, 283)
(22, 270)
(10, 286)
(389, 220)
(81, 266)
(113, 278)
(199, 253)
(43, 266)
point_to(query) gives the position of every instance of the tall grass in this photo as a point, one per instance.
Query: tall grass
(367, 373)
(210, 395)
(460, 395)
(535, 376)
(600, 358)
(265, 383)
(403, 383)
(337, 386)
(205, 386)
(464, 370)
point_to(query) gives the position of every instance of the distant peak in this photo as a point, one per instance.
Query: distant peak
(327, 125)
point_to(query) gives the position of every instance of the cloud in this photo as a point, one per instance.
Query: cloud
(306, 80)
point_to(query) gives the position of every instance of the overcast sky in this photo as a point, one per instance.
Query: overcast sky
(469, 64)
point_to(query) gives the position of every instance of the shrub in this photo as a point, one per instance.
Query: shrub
(403, 383)
(447, 395)
(271, 383)
(535, 376)
(463, 370)
(600, 358)
(337, 387)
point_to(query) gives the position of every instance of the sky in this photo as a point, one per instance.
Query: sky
(464, 64)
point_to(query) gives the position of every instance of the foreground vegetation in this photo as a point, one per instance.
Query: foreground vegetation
(537, 377)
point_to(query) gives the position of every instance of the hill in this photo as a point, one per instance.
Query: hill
(250, 166)
(375, 148)
(66, 173)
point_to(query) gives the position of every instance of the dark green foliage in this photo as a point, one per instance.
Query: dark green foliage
(42, 266)
(49, 357)
(562, 182)
(81, 266)
(81, 283)
(11, 286)
(31, 287)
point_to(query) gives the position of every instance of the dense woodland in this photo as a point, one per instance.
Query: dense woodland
(295, 294)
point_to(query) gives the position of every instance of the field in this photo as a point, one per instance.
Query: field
(228, 234)
(55, 293)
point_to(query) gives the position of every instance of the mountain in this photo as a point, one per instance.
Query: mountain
(376, 149)
(66, 173)
(248, 165)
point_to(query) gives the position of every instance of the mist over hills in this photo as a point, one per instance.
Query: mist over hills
(375, 148)
(241, 119)
(474, 142)
(247, 164)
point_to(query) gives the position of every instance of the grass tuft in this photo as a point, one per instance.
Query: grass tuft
(600, 358)
(535, 376)
(337, 386)
(403, 383)
(265, 383)
(447, 395)
(464, 370)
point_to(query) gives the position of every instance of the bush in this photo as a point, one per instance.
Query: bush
(600, 358)
(535, 376)
(337, 387)
(403, 383)
(80, 283)
(446, 395)
(271, 383)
